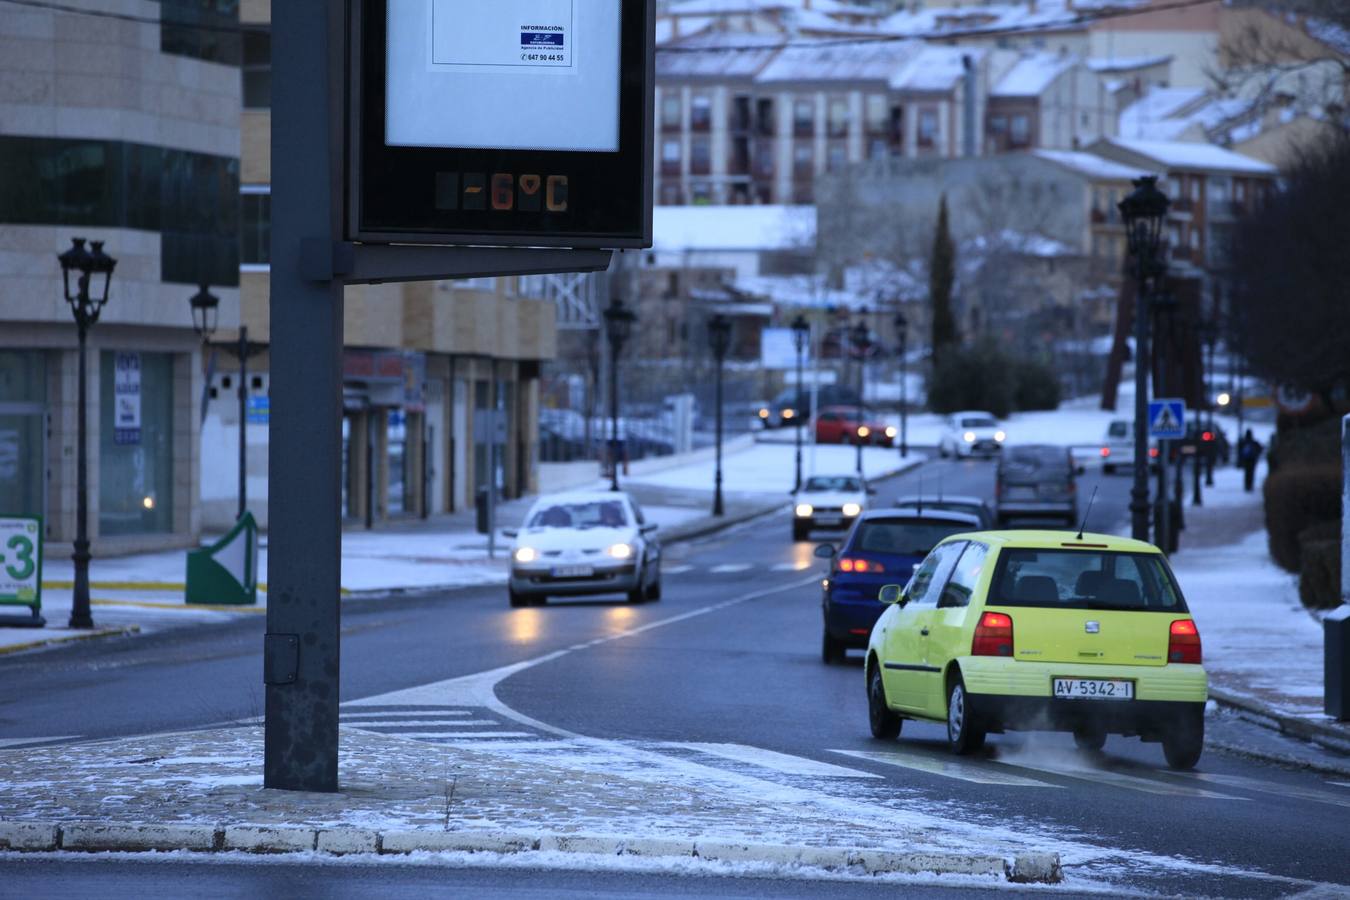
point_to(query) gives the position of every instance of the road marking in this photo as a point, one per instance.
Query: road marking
(1252, 784)
(771, 759)
(676, 570)
(404, 713)
(1120, 779)
(1340, 783)
(459, 735)
(948, 768)
(792, 567)
(728, 568)
(417, 723)
(19, 742)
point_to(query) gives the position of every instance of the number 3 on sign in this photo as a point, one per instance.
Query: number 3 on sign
(22, 567)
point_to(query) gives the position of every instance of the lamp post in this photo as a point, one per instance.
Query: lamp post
(1209, 334)
(902, 348)
(801, 333)
(1143, 211)
(85, 306)
(858, 337)
(618, 326)
(719, 339)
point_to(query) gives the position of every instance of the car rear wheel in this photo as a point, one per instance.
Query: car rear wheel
(800, 531)
(517, 600)
(831, 650)
(885, 724)
(962, 734)
(1184, 743)
(1089, 740)
(654, 591)
(1108, 469)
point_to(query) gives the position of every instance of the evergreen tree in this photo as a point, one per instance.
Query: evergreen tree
(941, 278)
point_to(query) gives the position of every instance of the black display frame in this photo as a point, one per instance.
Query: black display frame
(391, 190)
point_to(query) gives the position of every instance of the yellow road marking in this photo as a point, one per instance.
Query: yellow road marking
(150, 604)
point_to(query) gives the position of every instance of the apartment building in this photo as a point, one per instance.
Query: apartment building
(120, 126)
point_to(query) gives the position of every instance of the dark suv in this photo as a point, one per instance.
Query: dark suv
(791, 408)
(1037, 481)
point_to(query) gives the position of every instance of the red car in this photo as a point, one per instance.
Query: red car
(841, 425)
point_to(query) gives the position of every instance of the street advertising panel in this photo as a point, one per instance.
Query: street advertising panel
(21, 561)
(127, 398)
(506, 123)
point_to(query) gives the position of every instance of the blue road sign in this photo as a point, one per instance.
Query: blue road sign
(1167, 419)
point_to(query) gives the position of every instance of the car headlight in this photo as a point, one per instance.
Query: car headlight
(968, 437)
(804, 510)
(891, 432)
(863, 431)
(526, 554)
(763, 413)
(788, 413)
(621, 551)
(1000, 436)
(852, 509)
(1224, 398)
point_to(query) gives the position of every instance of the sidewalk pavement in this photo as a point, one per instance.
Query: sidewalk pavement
(1262, 649)
(144, 592)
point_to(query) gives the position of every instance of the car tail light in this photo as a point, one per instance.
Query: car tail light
(850, 564)
(1207, 436)
(1153, 452)
(1183, 644)
(993, 636)
(1106, 451)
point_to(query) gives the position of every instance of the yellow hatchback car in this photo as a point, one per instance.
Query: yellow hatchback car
(1040, 631)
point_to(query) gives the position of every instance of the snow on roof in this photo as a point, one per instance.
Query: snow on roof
(726, 7)
(1089, 164)
(807, 291)
(1032, 74)
(743, 228)
(1048, 15)
(717, 54)
(1187, 155)
(935, 69)
(1142, 118)
(873, 61)
(1127, 63)
(1025, 243)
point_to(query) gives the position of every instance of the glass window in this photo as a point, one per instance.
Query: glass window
(136, 452)
(833, 483)
(700, 112)
(904, 537)
(396, 448)
(585, 514)
(923, 588)
(965, 576)
(1020, 130)
(202, 29)
(700, 155)
(23, 387)
(255, 228)
(928, 127)
(1084, 579)
(670, 151)
(670, 111)
(837, 157)
(257, 70)
(838, 114)
(878, 112)
(804, 116)
(23, 377)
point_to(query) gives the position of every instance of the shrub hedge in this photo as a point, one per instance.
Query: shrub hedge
(1319, 578)
(1296, 498)
(982, 376)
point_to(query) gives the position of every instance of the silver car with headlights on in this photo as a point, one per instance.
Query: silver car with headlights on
(584, 543)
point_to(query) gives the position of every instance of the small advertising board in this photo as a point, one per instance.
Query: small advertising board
(21, 565)
(506, 123)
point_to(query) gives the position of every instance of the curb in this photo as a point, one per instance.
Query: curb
(1028, 868)
(1324, 736)
(120, 631)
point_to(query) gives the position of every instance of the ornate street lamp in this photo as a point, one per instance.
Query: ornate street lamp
(860, 338)
(719, 339)
(93, 277)
(618, 326)
(801, 333)
(902, 348)
(205, 318)
(1143, 212)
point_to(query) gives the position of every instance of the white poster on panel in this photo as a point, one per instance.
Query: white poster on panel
(505, 74)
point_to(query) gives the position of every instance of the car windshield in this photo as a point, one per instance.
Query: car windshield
(833, 483)
(904, 537)
(585, 514)
(1029, 460)
(978, 422)
(1084, 579)
(1119, 429)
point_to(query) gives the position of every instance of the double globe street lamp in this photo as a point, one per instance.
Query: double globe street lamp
(1143, 212)
(618, 327)
(801, 333)
(719, 339)
(93, 271)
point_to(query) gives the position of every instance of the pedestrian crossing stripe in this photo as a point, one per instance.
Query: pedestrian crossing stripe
(948, 768)
(1283, 790)
(729, 568)
(785, 763)
(1119, 779)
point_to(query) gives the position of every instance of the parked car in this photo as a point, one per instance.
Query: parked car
(884, 545)
(1040, 630)
(1118, 446)
(841, 425)
(1206, 437)
(791, 407)
(828, 501)
(1037, 481)
(974, 506)
(584, 543)
(971, 433)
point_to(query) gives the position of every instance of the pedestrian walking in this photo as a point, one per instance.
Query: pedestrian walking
(1249, 454)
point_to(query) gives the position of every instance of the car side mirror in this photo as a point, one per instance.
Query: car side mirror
(510, 532)
(649, 528)
(892, 593)
(825, 551)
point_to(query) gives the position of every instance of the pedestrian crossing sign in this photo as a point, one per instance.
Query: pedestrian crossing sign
(1167, 419)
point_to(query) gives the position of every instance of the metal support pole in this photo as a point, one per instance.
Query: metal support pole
(718, 508)
(862, 416)
(1196, 499)
(797, 422)
(613, 416)
(301, 647)
(1209, 403)
(80, 616)
(1345, 510)
(1139, 527)
(904, 406)
(243, 420)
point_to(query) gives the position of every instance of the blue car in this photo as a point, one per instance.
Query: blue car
(883, 547)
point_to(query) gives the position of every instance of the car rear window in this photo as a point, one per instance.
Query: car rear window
(1084, 579)
(904, 537)
(833, 483)
(1118, 429)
